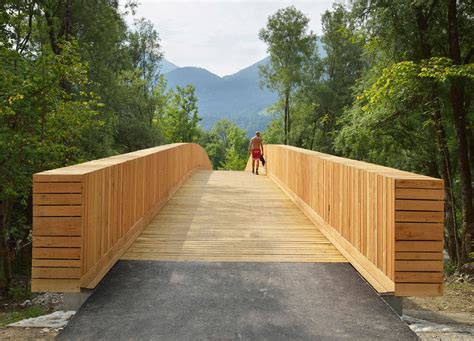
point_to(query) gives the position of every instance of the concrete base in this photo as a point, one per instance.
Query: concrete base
(74, 300)
(395, 302)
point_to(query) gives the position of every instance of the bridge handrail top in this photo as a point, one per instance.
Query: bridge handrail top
(362, 165)
(94, 165)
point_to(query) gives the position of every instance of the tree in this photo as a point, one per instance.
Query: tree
(146, 56)
(289, 46)
(43, 125)
(326, 84)
(423, 72)
(226, 144)
(458, 103)
(180, 120)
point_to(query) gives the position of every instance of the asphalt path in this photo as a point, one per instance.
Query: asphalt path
(150, 300)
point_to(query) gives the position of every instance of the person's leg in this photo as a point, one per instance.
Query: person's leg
(253, 166)
(256, 172)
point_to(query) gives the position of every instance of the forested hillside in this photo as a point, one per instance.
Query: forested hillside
(239, 97)
(395, 88)
(236, 97)
(77, 83)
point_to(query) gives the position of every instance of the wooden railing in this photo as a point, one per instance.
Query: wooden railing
(85, 216)
(387, 223)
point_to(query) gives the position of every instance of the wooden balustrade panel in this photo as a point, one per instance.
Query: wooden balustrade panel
(388, 223)
(85, 216)
(57, 240)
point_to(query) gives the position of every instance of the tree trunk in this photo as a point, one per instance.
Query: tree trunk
(53, 39)
(7, 270)
(446, 174)
(457, 100)
(314, 132)
(68, 20)
(445, 168)
(289, 119)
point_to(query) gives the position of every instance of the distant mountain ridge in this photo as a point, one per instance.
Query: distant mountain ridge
(237, 97)
(167, 66)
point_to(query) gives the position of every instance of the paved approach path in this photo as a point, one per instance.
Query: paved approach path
(231, 258)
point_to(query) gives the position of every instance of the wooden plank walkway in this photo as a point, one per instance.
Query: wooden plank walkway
(232, 216)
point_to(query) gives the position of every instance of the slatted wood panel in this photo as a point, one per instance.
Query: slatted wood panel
(419, 220)
(85, 216)
(387, 223)
(232, 216)
(57, 241)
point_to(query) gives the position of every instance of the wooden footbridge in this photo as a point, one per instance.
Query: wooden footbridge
(166, 203)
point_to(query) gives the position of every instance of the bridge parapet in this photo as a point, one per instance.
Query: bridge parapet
(86, 216)
(388, 223)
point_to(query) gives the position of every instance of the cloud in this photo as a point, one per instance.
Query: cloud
(221, 36)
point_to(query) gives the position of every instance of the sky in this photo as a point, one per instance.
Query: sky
(219, 35)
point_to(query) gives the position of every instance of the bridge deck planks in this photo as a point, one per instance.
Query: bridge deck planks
(232, 216)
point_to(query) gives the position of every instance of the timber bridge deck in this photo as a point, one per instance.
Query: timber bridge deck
(166, 203)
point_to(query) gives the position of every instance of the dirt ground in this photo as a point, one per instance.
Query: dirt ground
(455, 309)
(12, 310)
(39, 334)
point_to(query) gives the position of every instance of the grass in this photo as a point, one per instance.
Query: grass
(20, 314)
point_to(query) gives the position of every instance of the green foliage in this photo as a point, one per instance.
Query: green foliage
(76, 84)
(274, 133)
(180, 120)
(44, 116)
(449, 268)
(325, 85)
(226, 144)
(18, 315)
(290, 46)
(393, 89)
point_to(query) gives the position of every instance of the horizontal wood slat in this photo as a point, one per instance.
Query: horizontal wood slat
(419, 246)
(417, 277)
(57, 199)
(55, 284)
(57, 187)
(419, 231)
(419, 205)
(56, 273)
(53, 241)
(57, 211)
(418, 265)
(386, 222)
(419, 256)
(422, 183)
(419, 216)
(42, 177)
(419, 289)
(56, 253)
(85, 216)
(56, 263)
(419, 194)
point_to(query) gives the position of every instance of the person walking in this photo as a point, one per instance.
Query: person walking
(256, 149)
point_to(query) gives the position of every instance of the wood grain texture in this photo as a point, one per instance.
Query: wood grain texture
(386, 222)
(231, 216)
(85, 216)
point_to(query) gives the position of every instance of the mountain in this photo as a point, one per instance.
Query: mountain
(237, 97)
(167, 66)
(199, 77)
